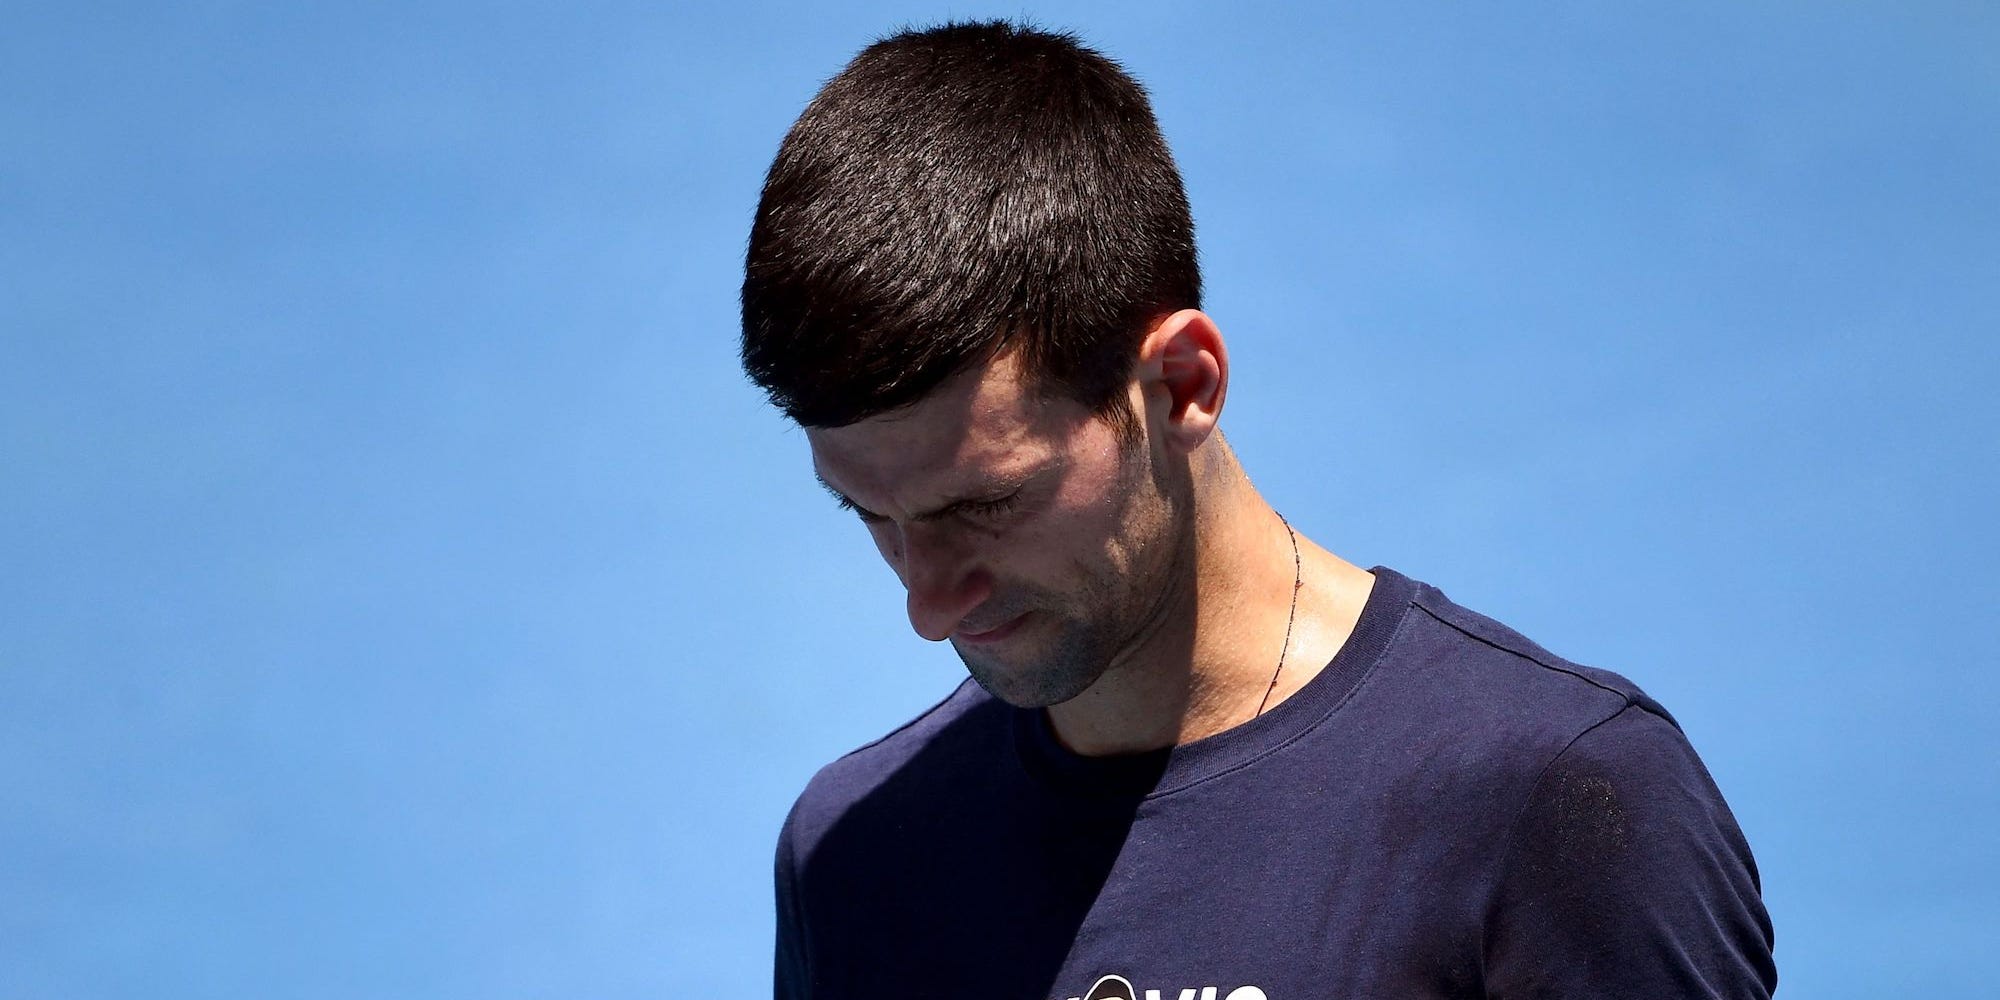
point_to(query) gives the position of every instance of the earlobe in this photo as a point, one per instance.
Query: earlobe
(1185, 358)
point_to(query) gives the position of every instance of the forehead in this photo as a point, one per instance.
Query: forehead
(985, 422)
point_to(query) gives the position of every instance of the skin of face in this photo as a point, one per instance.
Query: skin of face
(1020, 515)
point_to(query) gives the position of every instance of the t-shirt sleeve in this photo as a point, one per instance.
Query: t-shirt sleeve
(1626, 876)
(790, 980)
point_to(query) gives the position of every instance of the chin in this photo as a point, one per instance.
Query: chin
(1037, 682)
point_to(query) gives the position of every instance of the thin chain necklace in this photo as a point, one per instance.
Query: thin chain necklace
(1298, 580)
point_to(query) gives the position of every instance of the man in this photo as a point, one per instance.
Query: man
(1199, 756)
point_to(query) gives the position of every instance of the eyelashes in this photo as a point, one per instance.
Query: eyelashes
(973, 508)
(993, 508)
(865, 516)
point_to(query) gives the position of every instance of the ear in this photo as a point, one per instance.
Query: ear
(1183, 372)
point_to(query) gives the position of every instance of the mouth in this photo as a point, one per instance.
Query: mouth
(994, 634)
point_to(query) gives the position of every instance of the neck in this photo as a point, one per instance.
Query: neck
(1208, 659)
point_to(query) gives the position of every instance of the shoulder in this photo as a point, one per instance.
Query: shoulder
(1490, 678)
(1616, 866)
(1500, 647)
(1562, 735)
(939, 746)
(1467, 716)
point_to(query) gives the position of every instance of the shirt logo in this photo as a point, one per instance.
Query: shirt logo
(1120, 988)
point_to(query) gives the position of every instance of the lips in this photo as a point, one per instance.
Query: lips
(994, 634)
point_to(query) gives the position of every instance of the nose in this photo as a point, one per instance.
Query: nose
(944, 585)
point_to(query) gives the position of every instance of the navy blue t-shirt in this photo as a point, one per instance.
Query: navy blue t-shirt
(1446, 810)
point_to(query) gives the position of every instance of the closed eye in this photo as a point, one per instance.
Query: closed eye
(993, 508)
(963, 508)
(865, 516)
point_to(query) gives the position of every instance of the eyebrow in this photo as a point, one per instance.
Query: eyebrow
(984, 495)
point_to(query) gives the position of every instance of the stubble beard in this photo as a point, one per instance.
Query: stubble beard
(1073, 645)
(1076, 639)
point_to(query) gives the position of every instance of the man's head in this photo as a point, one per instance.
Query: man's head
(954, 193)
(972, 279)
(1026, 529)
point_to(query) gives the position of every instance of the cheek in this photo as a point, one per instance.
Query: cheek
(1087, 529)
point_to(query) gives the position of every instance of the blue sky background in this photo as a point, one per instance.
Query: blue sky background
(403, 595)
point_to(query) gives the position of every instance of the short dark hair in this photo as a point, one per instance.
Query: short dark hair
(955, 192)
